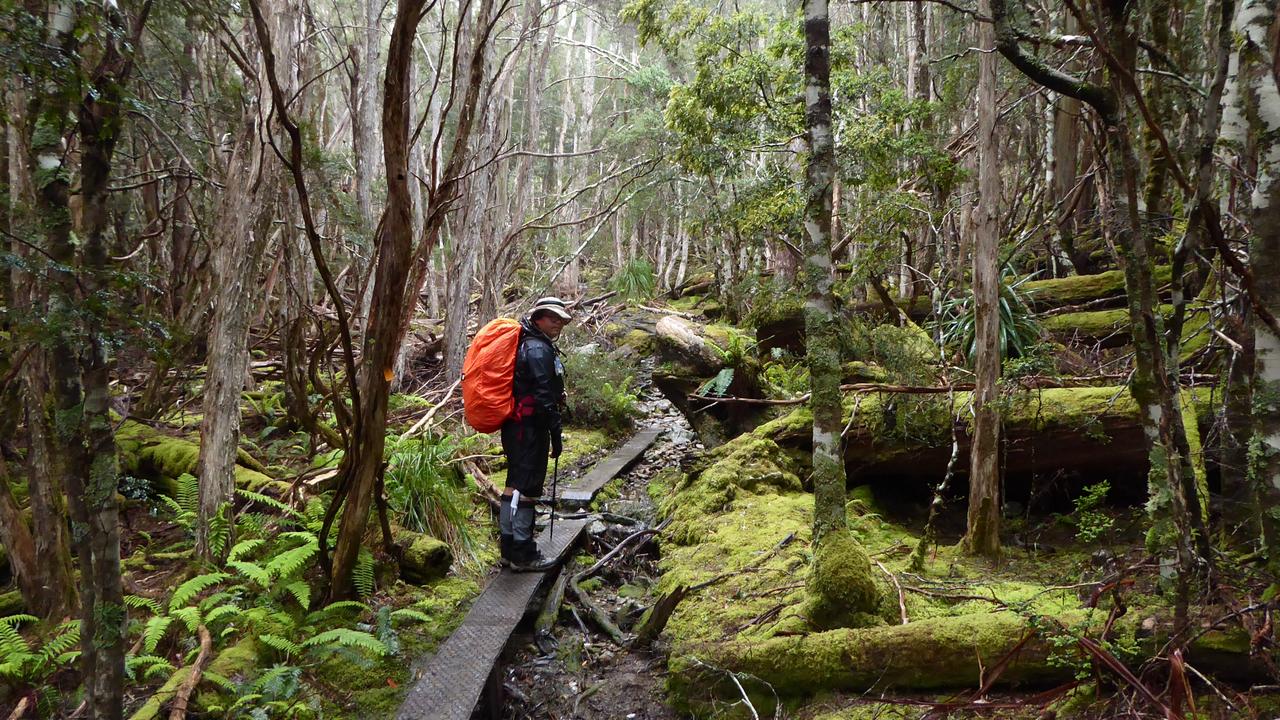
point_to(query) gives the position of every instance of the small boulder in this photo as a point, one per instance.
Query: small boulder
(424, 558)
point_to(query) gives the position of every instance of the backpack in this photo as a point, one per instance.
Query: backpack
(487, 374)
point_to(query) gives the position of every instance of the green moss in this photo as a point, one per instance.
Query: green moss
(863, 372)
(1093, 325)
(745, 465)
(425, 558)
(11, 603)
(638, 341)
(591, 585)
(841, 590)
(146, 452)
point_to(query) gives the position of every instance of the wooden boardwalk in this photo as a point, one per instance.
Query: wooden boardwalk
(584, 491)
(450, 683)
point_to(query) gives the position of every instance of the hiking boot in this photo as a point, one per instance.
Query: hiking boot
(528, 558)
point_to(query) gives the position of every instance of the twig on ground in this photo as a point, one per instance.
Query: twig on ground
(902, 598)
(745, 568)
(20, 709)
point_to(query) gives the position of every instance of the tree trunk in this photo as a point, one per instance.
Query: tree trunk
(983, 534)
(1257, 92)
(820, 318)
(245, 215)
(362, 465)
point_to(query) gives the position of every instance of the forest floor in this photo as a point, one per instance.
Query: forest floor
(583, 674)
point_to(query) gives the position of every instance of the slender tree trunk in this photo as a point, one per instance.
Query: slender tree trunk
(821, 322)
(245, 215)
(1258, 95)
(983, 535)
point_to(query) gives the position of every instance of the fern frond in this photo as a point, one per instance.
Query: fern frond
(410, 615)
(243, 701)
(245, 547)
(304, 535)
(220, 529)
(301, 592)
(193, 587)
(221, 612)
(268, 501)
(362, 573)
(16, 620)
(154, 632)
(68, 638)
(190, 616)
(284, 645)
(254, 572)
(334, 608)
(141, 603)
(145, 663)
(188, 493)
(345, 637)
(290, 562)
(12, 643)
(218, 681)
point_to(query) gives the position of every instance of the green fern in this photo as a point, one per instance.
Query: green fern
(362, 573)
(190, 616)
(256, 573)
(188, 590)
(410, 615)
(154, 632)
(219, 613)
(220, 529)
(280, 644)
(218, 681)
(290, 562)
(301, 592)
(188, 494)
(333, 608)
(268, 501)
(145, 663)
(16, 620)
(140, 603)
(344, 637)
(245, 548)
(65, 641)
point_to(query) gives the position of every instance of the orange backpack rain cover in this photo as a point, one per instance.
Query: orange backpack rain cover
(487, 373)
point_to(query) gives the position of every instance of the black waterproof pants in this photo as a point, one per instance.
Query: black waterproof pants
(526, 446)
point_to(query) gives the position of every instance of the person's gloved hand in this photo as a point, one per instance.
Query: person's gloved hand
(557, 443)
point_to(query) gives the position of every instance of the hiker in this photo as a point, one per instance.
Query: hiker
(533, 433)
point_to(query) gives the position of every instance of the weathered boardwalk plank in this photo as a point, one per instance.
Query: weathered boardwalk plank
(585, 489)
(450, 684)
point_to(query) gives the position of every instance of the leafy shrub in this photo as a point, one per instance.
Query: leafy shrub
(601, 391)
(429, 494)
(635, 280)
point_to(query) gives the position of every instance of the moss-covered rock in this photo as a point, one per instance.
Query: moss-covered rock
(841, 590)
(746, 465)
(424, 558)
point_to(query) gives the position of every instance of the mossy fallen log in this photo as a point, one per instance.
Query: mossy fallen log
(148, 453)
(1094, 431)
(1081, 289)
(423, 558)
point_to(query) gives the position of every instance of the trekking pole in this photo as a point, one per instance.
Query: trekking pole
(555, 479)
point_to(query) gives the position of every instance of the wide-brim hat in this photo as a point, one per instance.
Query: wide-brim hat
(552, 305)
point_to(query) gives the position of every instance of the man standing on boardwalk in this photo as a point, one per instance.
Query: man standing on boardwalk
(533, 433)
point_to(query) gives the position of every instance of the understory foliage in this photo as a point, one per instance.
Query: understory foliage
(601, 390)
(1018, 331)
(429, 493)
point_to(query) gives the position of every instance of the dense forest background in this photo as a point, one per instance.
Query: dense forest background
(245, 246)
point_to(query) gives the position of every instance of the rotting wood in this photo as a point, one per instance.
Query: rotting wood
(180, 700)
